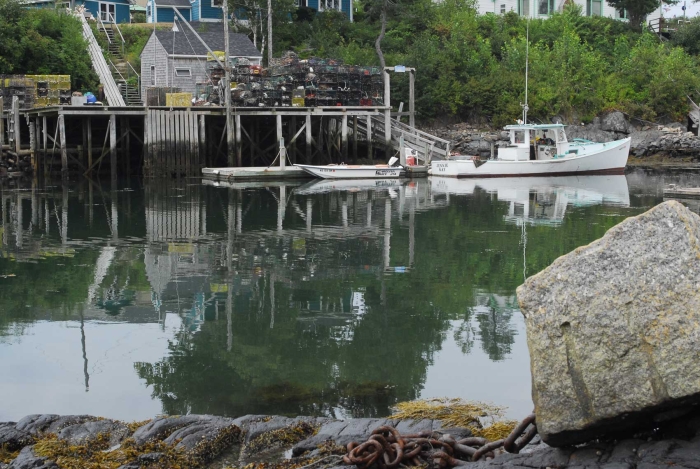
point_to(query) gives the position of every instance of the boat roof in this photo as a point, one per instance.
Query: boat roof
(534, 126)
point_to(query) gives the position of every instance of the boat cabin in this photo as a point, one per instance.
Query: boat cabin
(535, 142)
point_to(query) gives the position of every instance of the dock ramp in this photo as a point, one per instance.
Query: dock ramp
(99, 64)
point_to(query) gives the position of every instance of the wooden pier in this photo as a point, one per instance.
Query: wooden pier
(180, 141)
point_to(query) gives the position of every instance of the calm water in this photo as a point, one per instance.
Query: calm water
(325, 299)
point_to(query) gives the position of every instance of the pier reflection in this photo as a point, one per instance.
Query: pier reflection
(325, 298)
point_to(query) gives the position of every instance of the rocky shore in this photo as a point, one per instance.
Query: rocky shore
(257, 441)
(651, 144)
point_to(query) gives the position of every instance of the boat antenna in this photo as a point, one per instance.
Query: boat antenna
(527, 64)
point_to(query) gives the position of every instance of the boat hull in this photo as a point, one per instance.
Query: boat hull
(352, 172)
(599, 158)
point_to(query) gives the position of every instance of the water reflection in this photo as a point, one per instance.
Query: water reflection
(332, 298)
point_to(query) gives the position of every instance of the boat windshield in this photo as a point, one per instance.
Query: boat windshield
(519, 136)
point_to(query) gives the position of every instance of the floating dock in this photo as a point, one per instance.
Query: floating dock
(682, 192)
(255, 173)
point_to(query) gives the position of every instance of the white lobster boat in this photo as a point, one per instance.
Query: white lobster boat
(347, 171)
(540, 150)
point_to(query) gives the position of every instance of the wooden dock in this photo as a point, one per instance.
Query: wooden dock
(181, 141)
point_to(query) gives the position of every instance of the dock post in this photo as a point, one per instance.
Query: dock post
(354, 140)
(113, 148)
(283, 155)
(83, 153)
(32, 144)
(344, 137)
(146, 143)
(292, 140)
(89, 142)
(412, 98)
(278, 119)
(64, 150)
(2, 125)
(239, 141)
(127, 144)
(369, 136)
(45, 144)
(402, 151)
(309, 139)
(203, 140)
(16, 128)
(387, 114)
(230, 138)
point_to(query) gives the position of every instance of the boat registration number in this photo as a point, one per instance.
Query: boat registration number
(327, 170)
(385, 172)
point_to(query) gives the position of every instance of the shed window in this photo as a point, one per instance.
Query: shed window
(153, 75)
(183, 72)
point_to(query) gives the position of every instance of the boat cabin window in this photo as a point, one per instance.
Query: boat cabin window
(519, 136)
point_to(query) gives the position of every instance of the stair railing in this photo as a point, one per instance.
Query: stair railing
(104, 28)
(116, 26)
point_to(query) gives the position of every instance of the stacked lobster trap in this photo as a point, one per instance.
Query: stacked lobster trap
(289, 81)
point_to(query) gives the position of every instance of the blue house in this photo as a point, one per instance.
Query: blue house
(161, 11)
(323, 5)
(112, 11)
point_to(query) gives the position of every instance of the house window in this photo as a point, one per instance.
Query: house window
(622, 14)
(183, 72)
(524, 7)
(545, 7)
(594, 8)
(153, 75)
(503, 8)
(148, 10)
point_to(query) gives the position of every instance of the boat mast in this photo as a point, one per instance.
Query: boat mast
(527, 63)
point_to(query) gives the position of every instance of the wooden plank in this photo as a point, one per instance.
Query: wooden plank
(16, 131)
(64, 150)
(186, 142)
(45, 144)
(194, 121)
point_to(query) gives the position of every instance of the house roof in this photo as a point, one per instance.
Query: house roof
(183, 42)
(173, 3)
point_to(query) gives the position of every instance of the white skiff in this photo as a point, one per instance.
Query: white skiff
(331, 171)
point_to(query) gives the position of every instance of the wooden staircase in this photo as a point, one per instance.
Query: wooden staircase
(122, 71)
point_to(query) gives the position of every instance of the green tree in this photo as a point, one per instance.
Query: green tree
(637, 9)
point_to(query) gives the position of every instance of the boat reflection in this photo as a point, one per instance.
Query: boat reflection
(542, 200)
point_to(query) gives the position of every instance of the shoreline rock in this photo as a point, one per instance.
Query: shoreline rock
(258, 442)
(613, 329)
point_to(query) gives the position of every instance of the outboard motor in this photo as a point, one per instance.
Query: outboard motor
(393, 160)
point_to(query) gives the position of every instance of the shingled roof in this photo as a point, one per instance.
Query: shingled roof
(184, 42)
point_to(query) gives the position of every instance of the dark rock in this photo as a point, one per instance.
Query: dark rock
(83, 433)
(614, 122)
(39, 424)
(150, 457)
(161, 427)
(13, 439)
(27, 459)
(202, 437)
(613, 328)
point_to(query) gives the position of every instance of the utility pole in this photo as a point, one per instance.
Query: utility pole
(230, 143)
(269, 32)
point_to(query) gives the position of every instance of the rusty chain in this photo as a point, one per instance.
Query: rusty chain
(388, 449)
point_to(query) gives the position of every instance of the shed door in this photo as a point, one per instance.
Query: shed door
(108, 12)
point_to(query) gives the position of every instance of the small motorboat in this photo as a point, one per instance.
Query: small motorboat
(346, 171)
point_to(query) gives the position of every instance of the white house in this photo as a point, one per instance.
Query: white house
(544, 8)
